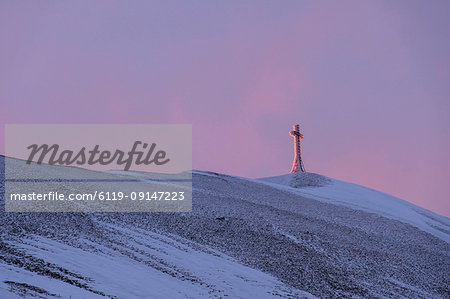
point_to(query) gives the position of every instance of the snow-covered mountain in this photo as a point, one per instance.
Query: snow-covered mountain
(296, 236)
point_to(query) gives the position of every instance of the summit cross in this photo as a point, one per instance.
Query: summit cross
(298, 163)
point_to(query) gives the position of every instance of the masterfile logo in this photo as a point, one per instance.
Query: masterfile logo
(92, 168)
(158, 148)
(94, 156)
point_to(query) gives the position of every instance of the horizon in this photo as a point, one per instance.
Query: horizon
(206, 171)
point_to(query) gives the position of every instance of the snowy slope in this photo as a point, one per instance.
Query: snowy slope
(293, 237)
(150, 265)
(362, 198)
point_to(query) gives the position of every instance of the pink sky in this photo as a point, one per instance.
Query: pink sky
(368, 81)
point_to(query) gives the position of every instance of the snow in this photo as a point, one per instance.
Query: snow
(362, 198)
(118, 275)
(293, 236)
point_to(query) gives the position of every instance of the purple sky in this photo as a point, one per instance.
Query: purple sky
(368, 81)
